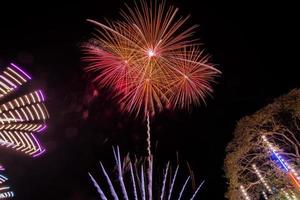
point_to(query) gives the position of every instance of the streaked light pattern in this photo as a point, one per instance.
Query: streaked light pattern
(5, 191)
(11, 78)
(23, 117)
(150, 60)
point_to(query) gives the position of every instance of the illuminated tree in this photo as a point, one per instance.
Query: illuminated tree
(269, 140)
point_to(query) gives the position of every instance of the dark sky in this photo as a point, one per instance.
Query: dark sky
(254, 45)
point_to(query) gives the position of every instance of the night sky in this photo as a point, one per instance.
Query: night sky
(254, 45)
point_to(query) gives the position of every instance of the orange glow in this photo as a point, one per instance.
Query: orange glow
(295, 181)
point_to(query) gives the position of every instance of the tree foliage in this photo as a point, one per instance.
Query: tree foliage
(280, 123)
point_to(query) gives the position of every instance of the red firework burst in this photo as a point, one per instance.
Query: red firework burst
(150, 60)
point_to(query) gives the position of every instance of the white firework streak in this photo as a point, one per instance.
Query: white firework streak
(130, 178)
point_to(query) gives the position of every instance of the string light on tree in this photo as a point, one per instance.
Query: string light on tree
(244, 192)
(261, 178)
(293, 196)
(286, 194)
(287, 168)
(265, 195)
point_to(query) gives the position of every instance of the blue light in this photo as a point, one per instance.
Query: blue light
(275, 155)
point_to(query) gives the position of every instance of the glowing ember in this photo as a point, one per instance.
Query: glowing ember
(151, 53)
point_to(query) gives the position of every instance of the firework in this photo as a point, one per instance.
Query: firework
(149, 60)
(131, 179)
(21, 118)
(4, 190)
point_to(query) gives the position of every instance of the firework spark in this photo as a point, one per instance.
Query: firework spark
(22, 117)
(133, 184)
(149, 60)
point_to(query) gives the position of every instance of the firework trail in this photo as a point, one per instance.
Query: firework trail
(129, 181)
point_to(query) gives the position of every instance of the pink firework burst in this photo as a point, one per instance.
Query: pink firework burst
(150, 60)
